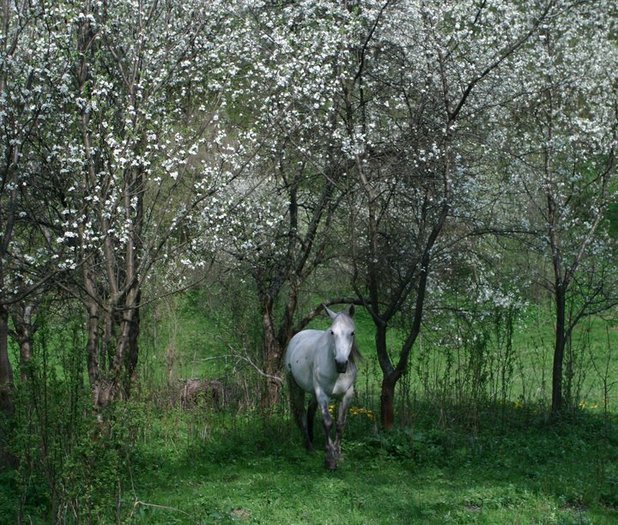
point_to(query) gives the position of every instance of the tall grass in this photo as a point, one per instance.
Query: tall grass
(498, 359)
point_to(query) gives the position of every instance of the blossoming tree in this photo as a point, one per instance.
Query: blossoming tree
(427, 76)
(560, 135)
(291, 61)
(129, 147)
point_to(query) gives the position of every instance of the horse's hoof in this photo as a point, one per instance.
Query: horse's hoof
(330, 464)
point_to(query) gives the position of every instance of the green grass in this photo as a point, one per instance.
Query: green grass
(202, 467)
(490, 464)
(254, 471)
(594, 349)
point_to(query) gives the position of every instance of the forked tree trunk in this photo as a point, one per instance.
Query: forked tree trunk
(112, 346)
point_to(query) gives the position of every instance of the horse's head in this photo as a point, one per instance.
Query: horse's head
(342, 332)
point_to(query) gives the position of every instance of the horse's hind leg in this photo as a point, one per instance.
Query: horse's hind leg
(311, 409)
(297, 403)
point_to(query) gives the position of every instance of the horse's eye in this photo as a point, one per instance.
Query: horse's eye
(332, 333)
(352, 333)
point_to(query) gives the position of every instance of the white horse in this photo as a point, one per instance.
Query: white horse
(323, 363)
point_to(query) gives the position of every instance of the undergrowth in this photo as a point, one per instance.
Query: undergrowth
(199, 465)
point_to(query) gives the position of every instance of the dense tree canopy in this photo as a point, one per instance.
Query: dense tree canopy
(142, 139)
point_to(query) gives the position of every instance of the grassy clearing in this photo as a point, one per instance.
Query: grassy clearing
(593, 353)
(254, 471)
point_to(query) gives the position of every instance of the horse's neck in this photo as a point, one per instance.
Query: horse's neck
(355, 354)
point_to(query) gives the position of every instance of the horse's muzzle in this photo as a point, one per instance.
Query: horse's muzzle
(341, 366)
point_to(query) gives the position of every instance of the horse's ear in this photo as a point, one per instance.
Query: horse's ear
(330, 313)
(351, 310)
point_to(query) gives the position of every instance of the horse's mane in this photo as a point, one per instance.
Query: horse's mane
(355, 355)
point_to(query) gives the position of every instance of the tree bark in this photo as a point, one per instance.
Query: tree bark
(133, 346)
(390, 376)
(24, 331)
(387, 400)
(6, 370)
(6, 389)
(559, 347)
(273, 352)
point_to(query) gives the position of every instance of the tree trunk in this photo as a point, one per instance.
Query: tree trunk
(93, 338)
(6, 388)
(387, 400)
(559, 347)
(272, 357)
(133, 347)
(389, 378)
(6, 370)
(24, 331)
(124, 360)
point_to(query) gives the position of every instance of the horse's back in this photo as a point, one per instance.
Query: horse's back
(299, 357)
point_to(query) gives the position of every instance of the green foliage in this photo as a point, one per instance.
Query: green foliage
(70, 468)
(612, 217)
(70, 460)
(453, 459)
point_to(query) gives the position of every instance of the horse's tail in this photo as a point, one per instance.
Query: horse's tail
(302, 417)
(297, 399)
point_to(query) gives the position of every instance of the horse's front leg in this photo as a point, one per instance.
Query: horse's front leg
(327, 420)
(341, 419)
